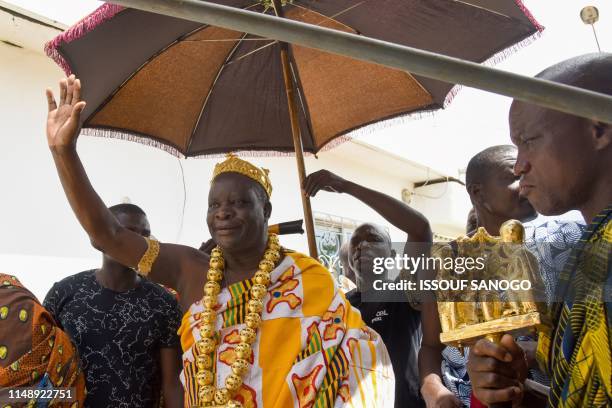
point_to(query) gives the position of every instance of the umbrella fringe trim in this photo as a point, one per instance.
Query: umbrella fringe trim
(372, 128)
(79, 30)
(131, 137)
(250, 153)
(495, 59)
(528, 14)
(337, 141)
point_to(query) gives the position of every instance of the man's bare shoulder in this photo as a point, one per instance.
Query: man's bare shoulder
(176, 261)
(187, 267)
(187, 256)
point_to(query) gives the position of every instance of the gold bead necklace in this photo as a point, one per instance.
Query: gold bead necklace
(208, 394)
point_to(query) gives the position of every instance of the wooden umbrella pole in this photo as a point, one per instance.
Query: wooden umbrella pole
(299, 151)
(297, 138)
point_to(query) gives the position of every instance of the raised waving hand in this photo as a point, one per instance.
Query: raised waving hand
(63, 118)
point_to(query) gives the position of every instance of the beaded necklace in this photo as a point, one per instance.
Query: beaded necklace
(208, 394)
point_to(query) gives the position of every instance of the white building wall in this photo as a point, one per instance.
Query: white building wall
(447, 206)
(40, 239)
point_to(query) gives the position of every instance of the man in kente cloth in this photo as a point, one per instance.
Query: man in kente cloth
(494, 192)
(564, 164)
(263, 326)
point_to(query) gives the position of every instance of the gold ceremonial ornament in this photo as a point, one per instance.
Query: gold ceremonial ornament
(255, 306)
(233, 164)
(206, 393)
(210, 395)
(233, 404)
(243, 351)
(258, 291)
(253, 320)
(248, 335)
(206, 345)
(208, 316)
(212, 288)
(204, 377)
(209, 301)
(467, 315)
(240, 366)
(207, 330)
(204, 361)
(214, 275)
(233, 382)
(216, 262)
(262, 278)
(266, 266)
(271, 256)
(148, 258)
(222, 396)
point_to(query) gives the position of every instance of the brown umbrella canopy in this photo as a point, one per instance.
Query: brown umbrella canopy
(196, 89)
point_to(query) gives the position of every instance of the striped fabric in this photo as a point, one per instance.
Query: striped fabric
(577, 351)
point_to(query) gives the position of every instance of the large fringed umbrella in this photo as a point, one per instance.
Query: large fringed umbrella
(196, 90)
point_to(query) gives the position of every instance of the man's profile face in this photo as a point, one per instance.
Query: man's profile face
(367, 243)
(237, 218)
(554, 158)
(501, 191)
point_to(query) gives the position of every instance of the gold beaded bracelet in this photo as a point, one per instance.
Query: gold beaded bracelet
(148, 258)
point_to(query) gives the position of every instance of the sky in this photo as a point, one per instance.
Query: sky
(475, 120)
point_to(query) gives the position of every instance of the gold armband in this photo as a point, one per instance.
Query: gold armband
(148, 258)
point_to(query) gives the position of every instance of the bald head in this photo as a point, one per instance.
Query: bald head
(484, 163)
(563, 160)
(589, 71)
(369, 241)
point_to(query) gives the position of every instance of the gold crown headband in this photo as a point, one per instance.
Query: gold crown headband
(234, 164)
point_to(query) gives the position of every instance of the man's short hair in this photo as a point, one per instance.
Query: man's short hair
(126, 209)
(482, 164)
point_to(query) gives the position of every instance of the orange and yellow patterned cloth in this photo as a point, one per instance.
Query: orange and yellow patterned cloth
(34, 352)
(312, 349)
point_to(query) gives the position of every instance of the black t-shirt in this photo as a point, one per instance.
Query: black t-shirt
(118, 336)
(399, 325)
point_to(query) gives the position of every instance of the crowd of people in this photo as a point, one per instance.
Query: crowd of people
(247, 322)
